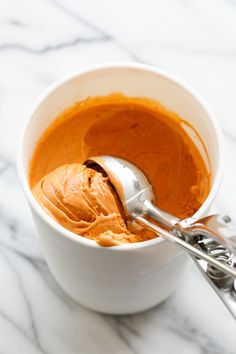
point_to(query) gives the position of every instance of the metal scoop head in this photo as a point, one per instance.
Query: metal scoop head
(130, 183)
(133, 189)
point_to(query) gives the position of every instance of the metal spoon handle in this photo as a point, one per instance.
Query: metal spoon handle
(159, 215)
(218, 227)
(172, 237)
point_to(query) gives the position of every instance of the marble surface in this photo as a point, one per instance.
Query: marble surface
(39, 42)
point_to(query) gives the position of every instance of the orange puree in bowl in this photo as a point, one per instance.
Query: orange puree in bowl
(139, 130)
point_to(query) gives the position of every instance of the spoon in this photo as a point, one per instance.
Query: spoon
(211, 240)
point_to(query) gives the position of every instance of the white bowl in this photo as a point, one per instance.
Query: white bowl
(134, 277)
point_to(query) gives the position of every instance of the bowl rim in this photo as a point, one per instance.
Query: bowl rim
(116, 65)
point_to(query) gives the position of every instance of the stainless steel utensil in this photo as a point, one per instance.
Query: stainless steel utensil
(210, 240)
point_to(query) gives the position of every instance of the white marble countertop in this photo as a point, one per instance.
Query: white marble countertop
(39, 42)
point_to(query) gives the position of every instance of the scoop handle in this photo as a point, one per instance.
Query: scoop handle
(225, 282)
(172, 237)
(218, 227)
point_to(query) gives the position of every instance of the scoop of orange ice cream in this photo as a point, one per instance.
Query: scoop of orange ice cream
(83, 201)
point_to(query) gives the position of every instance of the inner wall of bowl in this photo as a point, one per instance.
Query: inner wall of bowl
(135, 82)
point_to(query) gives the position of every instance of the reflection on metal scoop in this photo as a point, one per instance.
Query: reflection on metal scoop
(211, 240)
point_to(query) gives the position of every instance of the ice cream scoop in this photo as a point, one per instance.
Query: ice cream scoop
(135, 193)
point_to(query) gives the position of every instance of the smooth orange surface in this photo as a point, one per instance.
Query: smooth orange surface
(139, 130)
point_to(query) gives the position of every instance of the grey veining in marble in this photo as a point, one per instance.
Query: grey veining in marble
(41, 41)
